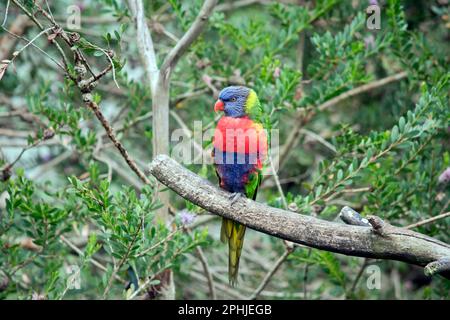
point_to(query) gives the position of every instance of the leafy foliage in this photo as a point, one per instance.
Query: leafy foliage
(70, 207)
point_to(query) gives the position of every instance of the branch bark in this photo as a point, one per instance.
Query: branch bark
(144, 42)
(188, 38)
(380, 241)
(270, 274)
(87, 99)
(429, 220)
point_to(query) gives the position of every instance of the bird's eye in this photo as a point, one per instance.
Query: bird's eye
(233, 99)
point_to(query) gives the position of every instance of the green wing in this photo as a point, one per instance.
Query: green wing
(252, 185)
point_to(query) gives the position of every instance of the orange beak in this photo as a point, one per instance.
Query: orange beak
(218, 106)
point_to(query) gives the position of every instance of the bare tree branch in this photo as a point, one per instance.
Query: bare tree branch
(33, 18)
(270, 274)
(208, 274)
(92, 260)
(363, 88)
(87, 99)
(144, 41)
(429, 220)
(188, 38)
(380, 241)
(232, 5)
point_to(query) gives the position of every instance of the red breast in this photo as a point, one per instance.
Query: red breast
(241, 135)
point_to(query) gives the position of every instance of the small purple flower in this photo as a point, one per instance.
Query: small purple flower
(186, 217)
(445, 176)
(373, 2)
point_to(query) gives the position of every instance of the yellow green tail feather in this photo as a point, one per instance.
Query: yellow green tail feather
(233, 233)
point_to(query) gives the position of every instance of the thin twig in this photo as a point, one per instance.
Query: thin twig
(359, 275)
(33, 18)
(14, 133)
(188, 38)
(10, 165)
(158, 244)
(204, 262)
(429, 220)
(92, 260)
(49, 10)
(364, 88)
(270, 274)
(122, 261)
(110, 133)
(6, 13)
(305, 276)
(318, 138)
(16, 53)
(189, 135)
(54, 162)
(36, 47)
(232, 5)
(111, 64)
(277, 183)
(17, 29)
(142, 287)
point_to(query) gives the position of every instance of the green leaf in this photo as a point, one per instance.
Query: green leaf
(340, 174)
(401, 124)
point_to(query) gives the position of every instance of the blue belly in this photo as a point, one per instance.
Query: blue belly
(233, 169)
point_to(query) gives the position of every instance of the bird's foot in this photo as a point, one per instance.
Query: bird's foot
(235, 197)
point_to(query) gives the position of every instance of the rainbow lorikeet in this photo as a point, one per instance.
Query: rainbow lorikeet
(240, 148)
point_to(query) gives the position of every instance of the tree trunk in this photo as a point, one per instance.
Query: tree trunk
(161, 143)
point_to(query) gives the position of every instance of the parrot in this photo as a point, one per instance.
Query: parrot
(240, 147)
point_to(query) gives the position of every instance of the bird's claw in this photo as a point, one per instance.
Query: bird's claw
(235, 197)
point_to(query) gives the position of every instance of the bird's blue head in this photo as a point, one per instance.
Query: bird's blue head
(233, 101)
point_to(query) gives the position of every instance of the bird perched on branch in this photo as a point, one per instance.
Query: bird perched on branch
(240, 149)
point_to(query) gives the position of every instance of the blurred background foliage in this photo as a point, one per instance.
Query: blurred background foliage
(70, 199)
